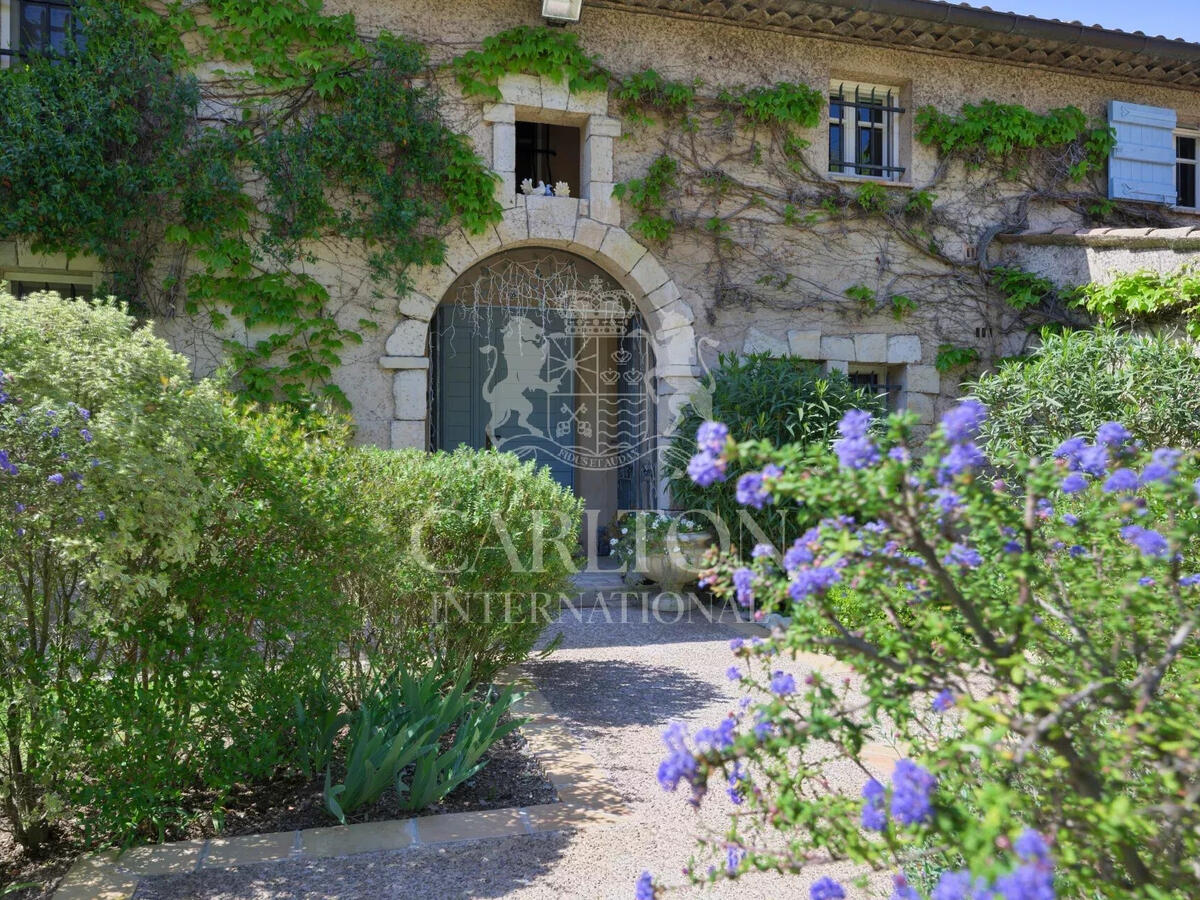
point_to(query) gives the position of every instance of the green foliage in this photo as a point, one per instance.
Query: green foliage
(551, 52)
(1146, 298)
(901, 306)
(1059, 641)
(999, 132)
(786, 104)
(950, 357)
(919, 203)
(649, 195)
(1021, 289)
(1075, 381)
(475, 527)
(327, 135)
(760, 397)
(178, 573)
(871, 197)
(862, 294)
(672, 100)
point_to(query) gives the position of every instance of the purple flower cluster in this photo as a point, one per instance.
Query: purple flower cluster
(854, 449)
(874, 817)
(7, 466)
(902, 890)
(944, 700)
(815, 580)
(826, 889)
(1033, 879)
(708, 466)
(1121, 480)
(743, 581)
(738, 782)
(750, 489)
(912, 790)
(1113, 435)
(644, 889)
(1147, 540)
(962, 555)
(962, 423)
(680, 763)
(1161, 467)
(719, 738)
(782, 684)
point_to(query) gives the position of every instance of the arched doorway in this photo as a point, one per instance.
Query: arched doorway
(542, 353)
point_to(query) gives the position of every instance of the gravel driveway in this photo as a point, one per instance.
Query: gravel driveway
(616, 684)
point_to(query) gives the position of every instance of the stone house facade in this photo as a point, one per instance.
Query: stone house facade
(802, 270)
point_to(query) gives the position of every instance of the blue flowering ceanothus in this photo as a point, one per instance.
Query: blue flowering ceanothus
(1031, 846)
(1113, 435)
(1070, 449)
(679, 763)
(762, 551)
(1161, 467)
(1073, 483)
(826, 889)
(854, 449)
(743, 582)
(944, 700)
(962, 555)
(56, 478)
(705, 469)
(719, 738)
(1121, 480)
(961, 459)
(750, 489)
(874, 815)
(1092, 460)
(816, 580)
(1148, 541)
(912, 791)
(1028, 882)
(644, 890)
(712, 436)
(963, 422)
(733, 858)
(7, 466)
(782, 684)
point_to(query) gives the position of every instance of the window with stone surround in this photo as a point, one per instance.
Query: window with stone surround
(548, 155)
(1187, 156)
(864, 130)
(36, 26)
(22, 285)
(885, 380)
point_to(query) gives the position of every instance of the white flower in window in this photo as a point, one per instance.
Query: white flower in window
(562, 189)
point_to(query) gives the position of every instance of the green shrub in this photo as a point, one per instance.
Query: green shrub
(1033, 660)
(784, 400)
(179, 574)
(488, 549)
(1078, 380)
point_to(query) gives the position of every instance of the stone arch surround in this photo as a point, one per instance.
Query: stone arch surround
(556, 223)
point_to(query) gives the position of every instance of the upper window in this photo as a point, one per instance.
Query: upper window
(22, 288)
(42, 26)
(1186, 144)
(548, 155)
(882, 380)
(863, 130)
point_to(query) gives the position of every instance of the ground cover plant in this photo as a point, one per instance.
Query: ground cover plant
(1035, 662)
(196, 594)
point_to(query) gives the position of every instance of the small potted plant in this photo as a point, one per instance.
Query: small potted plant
(665, 547)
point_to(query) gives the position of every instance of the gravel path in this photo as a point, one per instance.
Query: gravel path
(616, 684)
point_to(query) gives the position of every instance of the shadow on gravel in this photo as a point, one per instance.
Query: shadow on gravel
(607, 694)
(633, 625)
(487, 868)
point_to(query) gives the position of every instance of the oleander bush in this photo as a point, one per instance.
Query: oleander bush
(1075, 381)
(180, 574)
(784, 400)
(1035, 662)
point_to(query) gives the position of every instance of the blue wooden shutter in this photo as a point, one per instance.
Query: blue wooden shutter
(1142, 165)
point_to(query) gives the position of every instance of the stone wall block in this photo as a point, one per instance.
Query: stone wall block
(410, 388)
(904, 348)
(805, 344)
(408, 434)
(925, 379)
(837, 348)
(407, 339)
(870, 348)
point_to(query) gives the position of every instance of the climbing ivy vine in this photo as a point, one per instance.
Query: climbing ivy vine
(216, 197)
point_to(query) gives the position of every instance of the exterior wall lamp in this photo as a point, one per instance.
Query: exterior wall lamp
(559, 12)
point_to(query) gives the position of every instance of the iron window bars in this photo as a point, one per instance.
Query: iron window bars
(862, 131)
(870, 382)
(1186, 165)
(41, 27)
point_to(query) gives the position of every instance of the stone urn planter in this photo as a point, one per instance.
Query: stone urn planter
(674, 565)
